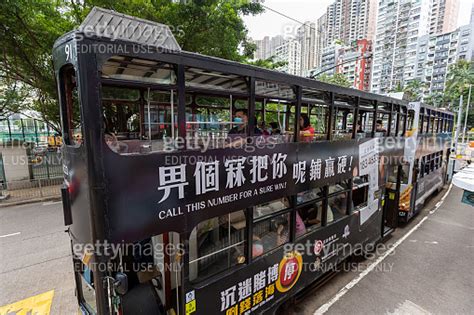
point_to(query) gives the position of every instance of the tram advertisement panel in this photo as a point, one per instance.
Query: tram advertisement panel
(266, 281)
(167, 188)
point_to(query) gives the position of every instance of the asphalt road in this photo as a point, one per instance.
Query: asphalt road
(430, 270)
(35, 256)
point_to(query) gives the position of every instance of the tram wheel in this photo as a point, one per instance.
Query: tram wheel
(142, 299)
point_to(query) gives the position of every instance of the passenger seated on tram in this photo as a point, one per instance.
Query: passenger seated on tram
(241, 119)
(274, 128)
(379, 126)
(306, 130)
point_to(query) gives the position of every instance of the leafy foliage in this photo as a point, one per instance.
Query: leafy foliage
(28, 29)
(269, 63)
(337, 79)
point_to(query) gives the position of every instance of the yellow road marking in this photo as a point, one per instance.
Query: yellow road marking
(36, 305)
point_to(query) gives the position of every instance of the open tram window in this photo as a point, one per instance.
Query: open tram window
(337, 201)
(318, 111)
(270, 233)
(343, 122)
(139, 110)
(274, 120)
(310, 216)
(216, 245)
(365, 123)
(208, 118)
(411, 120)
(402, 121)
(71, 111)
(360, 189)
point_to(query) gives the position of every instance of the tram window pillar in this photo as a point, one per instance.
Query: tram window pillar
(298, 93)
(355, 121)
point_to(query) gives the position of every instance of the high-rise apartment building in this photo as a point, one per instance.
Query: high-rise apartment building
(399, 25)
(307, 35)
(266, 47)
(349, 20)
(290, 53)
(353, 61)
(436, 53)
(444, 16)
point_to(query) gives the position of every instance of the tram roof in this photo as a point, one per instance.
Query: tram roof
(113, 27)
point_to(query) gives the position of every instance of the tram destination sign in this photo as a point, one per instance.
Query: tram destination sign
(175, 191)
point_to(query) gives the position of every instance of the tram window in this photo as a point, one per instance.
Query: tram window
(270, 234)
(381, 124)
(216, 245)
(209, 117)
(271, 207)
(309, 195)
(343, 122)
(405, 173)
(337, 207)
(360, 190)
(277, 120)
(365, 123)
(311, 216)
(401, 123)
(393, 124)
(70, 105)
(319, 115)
(411, 120)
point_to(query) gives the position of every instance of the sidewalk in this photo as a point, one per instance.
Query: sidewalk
(430, 271)
(33, 194)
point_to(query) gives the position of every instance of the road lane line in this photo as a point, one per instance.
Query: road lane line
(8, 235)
(325, 307)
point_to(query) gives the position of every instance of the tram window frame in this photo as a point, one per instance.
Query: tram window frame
(71, 109)
(344, 133)
(320, 134)
(366, 122)
(320, 105)
(360, 184)
(336, 194)
(242, 259)
(272, 219)
(308, 218)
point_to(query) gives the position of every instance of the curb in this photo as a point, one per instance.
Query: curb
(23, 202)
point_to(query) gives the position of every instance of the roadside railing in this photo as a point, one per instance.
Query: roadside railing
(14, 192)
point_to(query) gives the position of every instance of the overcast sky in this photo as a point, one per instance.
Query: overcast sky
(271, 24)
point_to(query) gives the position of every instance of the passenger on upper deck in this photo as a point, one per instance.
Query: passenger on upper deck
(379, 126)
(241, 118)
(306, 130)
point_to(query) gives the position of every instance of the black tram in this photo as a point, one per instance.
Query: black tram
(195, 185)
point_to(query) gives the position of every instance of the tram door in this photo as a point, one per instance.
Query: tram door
(392, 196)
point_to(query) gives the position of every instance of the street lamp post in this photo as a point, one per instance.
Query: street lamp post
(467, 113)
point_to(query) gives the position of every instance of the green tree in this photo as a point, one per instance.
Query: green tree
(397, 88)
(460, 76)
(414, 90)
(337, 79)
(269, 63)
(436, 99)
(28, 29)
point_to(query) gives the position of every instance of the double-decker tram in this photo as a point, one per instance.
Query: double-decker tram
(427, 150)
(203, 186)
